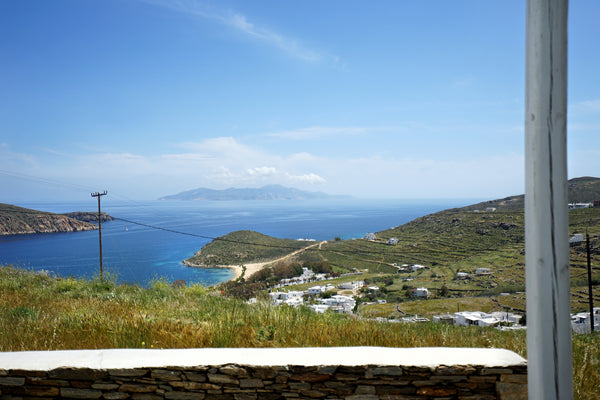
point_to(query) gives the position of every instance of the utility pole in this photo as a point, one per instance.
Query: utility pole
(549, 354)
(590, 294)
(98, 195)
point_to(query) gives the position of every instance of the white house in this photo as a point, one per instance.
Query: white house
(581, 322)
(480, 318)
(417, 267)
(508, 317)
(340, 303)
(392, 241)
(462, 275)
(472, 318)
(576, 238)
(483, 271)
(490, 209)
(573, 206)
(370, 236)
(421, 292)
(291, 297)
(351, 285)
(316, 290)
(319, 308)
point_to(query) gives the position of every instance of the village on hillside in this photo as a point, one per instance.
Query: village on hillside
(320, 299)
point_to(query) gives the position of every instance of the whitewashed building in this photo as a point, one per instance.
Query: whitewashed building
(351, 285)
(370, 236)
(576, 238)
(340, 303)
(581, 322)
(421, 292)
(480, 318)
(317, 290)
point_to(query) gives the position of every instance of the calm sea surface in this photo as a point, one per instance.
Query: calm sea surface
(140, 254)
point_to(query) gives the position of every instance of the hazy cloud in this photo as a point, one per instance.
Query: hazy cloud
(224, 162)
(315, 132)
(308, 178)
(264, 171)
(241, 24)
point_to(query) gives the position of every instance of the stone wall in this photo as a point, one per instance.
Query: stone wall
(248, 379)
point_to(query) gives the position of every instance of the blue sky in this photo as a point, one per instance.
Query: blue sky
(385, 99)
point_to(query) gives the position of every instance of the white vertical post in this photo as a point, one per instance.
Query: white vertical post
(550, 370)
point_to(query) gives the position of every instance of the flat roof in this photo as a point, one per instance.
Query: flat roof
(306, 356)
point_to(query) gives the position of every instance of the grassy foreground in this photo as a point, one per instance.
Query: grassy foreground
(40, 312)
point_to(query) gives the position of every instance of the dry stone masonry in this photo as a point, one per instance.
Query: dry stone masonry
(247, 379)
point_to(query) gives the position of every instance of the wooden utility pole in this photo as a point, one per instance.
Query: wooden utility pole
(98, 195)
(549, 354)
(590, 293)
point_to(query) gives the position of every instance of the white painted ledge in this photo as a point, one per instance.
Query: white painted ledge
(429, 357)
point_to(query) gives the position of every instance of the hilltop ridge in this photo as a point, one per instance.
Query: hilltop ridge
(585, 189)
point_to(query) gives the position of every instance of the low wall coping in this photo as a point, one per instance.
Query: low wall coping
(430, 357)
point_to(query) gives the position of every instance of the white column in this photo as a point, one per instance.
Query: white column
(550, 370)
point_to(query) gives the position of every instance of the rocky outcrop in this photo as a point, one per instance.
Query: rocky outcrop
(17, 220)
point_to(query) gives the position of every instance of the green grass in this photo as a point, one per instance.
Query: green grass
(237, 248)
(40, 312)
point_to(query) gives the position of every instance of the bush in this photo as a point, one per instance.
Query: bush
(318, 267)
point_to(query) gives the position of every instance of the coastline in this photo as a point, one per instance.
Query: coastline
(251, 268)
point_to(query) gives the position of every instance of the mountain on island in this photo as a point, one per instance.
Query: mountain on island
(269, 192)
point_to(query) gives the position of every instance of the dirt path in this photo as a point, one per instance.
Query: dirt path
(255, 267)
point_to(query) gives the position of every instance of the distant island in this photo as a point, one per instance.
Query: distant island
(18, 220)
(269, 192)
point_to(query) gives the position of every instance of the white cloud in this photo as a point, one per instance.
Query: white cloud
(311, 179)
(225, 162)
(264, 171)
(315, 132)
(241, 24)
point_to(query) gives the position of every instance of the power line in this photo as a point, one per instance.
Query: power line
(351, 251)
(205, 237)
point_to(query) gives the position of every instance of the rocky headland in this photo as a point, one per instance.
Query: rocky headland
(18, 220)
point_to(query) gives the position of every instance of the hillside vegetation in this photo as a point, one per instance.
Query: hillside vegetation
(579, 190)
(237, 248)
(42, 312)
(446, 243)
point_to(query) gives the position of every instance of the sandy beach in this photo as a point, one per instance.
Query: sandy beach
(251, 268)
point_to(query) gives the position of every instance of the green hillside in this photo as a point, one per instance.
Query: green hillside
(580, 190)
(445, 243)
(237, 248)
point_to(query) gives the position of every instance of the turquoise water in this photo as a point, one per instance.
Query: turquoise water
(140, 254)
